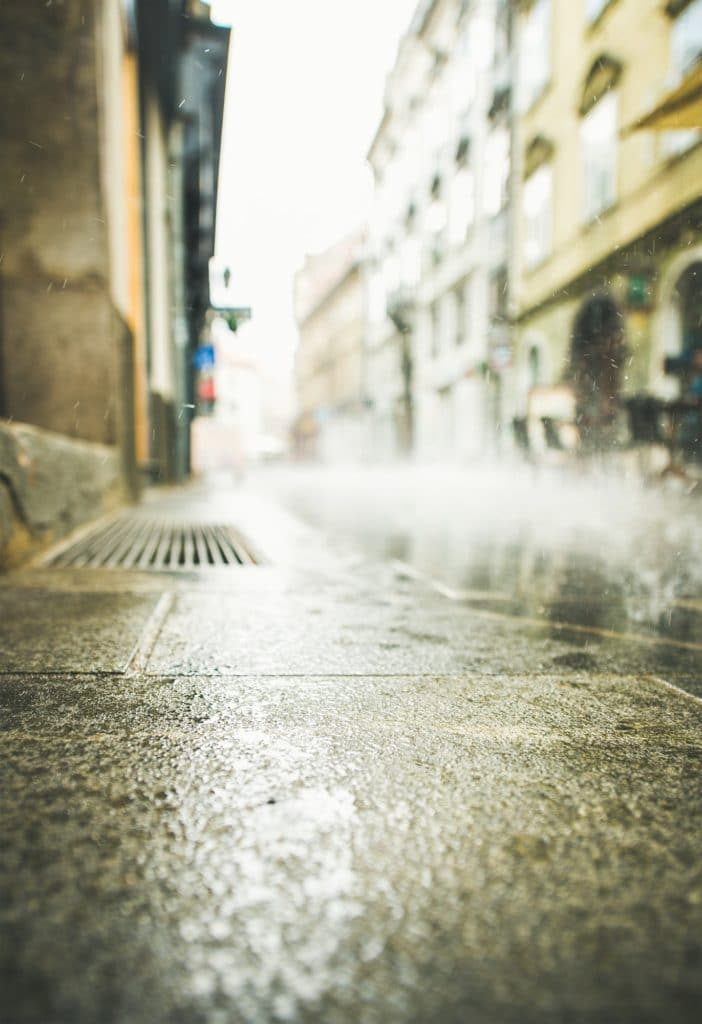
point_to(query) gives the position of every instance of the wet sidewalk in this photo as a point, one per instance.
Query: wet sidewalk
(316, 789)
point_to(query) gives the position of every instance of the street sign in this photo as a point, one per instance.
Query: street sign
(204, 358)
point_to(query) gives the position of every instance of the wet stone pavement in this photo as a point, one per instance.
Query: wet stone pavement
(320, 789)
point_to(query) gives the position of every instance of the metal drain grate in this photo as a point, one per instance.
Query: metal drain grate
(132, 542)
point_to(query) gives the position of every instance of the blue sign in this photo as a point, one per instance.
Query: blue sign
(204, 358)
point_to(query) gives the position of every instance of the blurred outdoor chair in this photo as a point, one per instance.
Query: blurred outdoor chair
(520, 429)
(552, 435)
(684, 436)
(674, 425)
(644, 417)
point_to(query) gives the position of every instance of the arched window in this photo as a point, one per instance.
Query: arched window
(535, 53)
(599, 136)
(603, 76)
(595, 8)
(685, 36)
(537, 202)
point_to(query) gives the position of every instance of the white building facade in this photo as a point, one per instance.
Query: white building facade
(438, 350)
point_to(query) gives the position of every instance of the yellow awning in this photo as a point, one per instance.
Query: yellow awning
(680, 109)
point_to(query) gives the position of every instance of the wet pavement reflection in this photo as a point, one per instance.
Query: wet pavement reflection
(607, 557)
(421, 765)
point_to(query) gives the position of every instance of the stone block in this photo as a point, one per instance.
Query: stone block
(49, 485)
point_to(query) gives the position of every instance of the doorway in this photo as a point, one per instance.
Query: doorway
(688, 303)
(596, 359)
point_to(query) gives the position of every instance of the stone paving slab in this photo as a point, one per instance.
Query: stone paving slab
(330, 609)
(45, 630)
(332, 794)
(296, 633)
(375, 624)
(346, 848)
(364, 619)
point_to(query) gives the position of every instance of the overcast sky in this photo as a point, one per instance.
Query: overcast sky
(304, 96)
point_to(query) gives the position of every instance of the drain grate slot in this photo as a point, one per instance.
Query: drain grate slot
(134, 542)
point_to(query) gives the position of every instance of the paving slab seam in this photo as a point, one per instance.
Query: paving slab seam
(456, 596)
(333, 674)
(38, 675)
(675, 689)
(139, 658)
(71, 675)
(161, 674)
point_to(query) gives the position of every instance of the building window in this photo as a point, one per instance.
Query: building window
(434, 328)
(535, 55)
(462, 206)
(538, 215)
(599, 137)
(463, 151)
(503, 31)
(686, 38)
(461, 307)
(436, 214)
(595, 8)
(533, 367)
(498, 298)
(686, 50)
(411, 262)
(497, 172)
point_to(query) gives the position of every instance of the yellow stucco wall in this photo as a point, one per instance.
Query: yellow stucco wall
(329, 362)
(650, 185)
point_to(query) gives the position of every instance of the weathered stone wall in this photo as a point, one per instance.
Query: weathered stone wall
(65, 351)
(49, 485)
(59, 346)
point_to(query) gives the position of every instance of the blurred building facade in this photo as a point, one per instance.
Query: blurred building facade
(110, 131)
(534, 253)
(330, 309)
(230, 434)
(609, 237)
(438, 257)
(183, 63)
